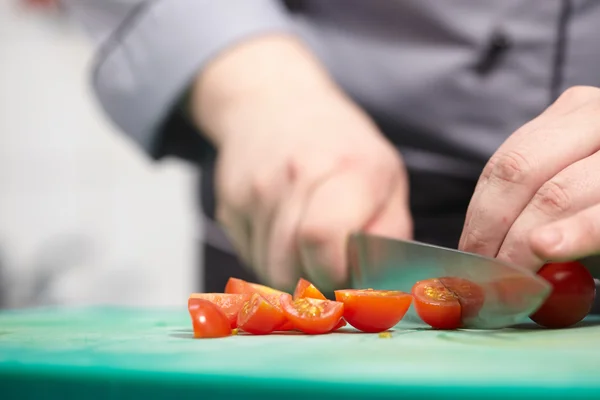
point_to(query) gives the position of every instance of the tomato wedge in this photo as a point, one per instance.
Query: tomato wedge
(371, 310)
(306, 289)
(209, 321)
(239, 286)
(230, 304)
(259, 316)
(312, 316)
(436, 305)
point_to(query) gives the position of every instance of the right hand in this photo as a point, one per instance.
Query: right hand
(300, 166)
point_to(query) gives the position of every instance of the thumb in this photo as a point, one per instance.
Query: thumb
(344, 203)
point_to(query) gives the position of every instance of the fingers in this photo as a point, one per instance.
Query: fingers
(342, 204)
(534, 154)
(572, 238)
(395, 219)
(575, 188)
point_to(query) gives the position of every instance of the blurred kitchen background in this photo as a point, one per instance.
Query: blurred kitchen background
(85, 218)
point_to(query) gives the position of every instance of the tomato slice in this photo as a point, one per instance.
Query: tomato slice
(371, 310)
(436, 305)
(240, 286)
(259, 316)
(312, 316)
(208, 320)
(572, 296)
(469, 294)
(306, 289)
(230, 304)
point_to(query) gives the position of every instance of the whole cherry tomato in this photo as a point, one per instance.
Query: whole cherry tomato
(572, 296)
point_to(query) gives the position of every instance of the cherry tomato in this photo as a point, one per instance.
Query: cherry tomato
(436, 305)
(469, 294)
(230, 304)
(239, 286)
(572, 296)
(306, 289)
(371, 310)
(209, 321)
(259, 316)
(342, 323)
(312, 316)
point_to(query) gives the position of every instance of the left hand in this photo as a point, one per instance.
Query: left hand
(538, 198)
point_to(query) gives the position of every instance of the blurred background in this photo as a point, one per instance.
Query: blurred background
(85, 218)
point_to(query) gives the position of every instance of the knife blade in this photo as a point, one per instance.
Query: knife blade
(511, 293)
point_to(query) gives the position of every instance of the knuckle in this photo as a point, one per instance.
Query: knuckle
(553, 199)
(511, 167)
(580, 94)
(314, 234)
(475, 239)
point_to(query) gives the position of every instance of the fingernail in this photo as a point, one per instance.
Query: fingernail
(550, 237)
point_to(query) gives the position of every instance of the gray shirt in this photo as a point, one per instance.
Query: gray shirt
(447, 81)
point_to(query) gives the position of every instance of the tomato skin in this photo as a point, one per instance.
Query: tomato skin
(259, 316)
(312, 316)
(371, 310)
(436, 305)
(572, 296)
(470, 295)
(306, 289)
(341, 323)
(230, 304)
(209, 321)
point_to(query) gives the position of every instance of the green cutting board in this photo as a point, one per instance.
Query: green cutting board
(150, 354)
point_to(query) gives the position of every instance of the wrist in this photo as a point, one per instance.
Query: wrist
(267, 73)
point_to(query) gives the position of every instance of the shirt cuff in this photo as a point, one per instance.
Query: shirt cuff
(146, 66)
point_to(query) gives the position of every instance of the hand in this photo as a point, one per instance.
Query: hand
(299, 167)
(538, 198)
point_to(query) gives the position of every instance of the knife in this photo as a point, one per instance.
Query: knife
(511, 293)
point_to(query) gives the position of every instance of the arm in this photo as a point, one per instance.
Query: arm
(151, 52)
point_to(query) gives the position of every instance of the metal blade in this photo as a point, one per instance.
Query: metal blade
(511, 293)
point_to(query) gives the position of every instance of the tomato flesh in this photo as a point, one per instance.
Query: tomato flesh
(209, 321)
(259, 316)
(436, 305)
(371, 310)
(312, 316)
(469, 294)
(230, 304)
(306, 289)
(572, 296)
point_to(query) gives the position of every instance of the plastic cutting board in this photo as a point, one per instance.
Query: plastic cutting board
(121, 353)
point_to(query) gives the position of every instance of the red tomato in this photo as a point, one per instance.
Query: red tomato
(436, 305)
(572, 296)
(469, 294)
(340, 324)
(239, 286)
(306, 289)
(259, 316)
(371, 310)
(312, 316)
(209, 321)
(230, 304)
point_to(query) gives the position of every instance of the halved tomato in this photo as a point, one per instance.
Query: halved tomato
(312, 316)
(306, 289)
(259, 316)
(470, 295)
(436, 305)
(239, 286)
(371, 310)
(230, 304)
(209, 321)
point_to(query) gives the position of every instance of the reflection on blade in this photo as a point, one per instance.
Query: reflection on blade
(511, 293)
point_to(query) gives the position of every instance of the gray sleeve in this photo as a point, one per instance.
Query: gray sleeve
(146, 64)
